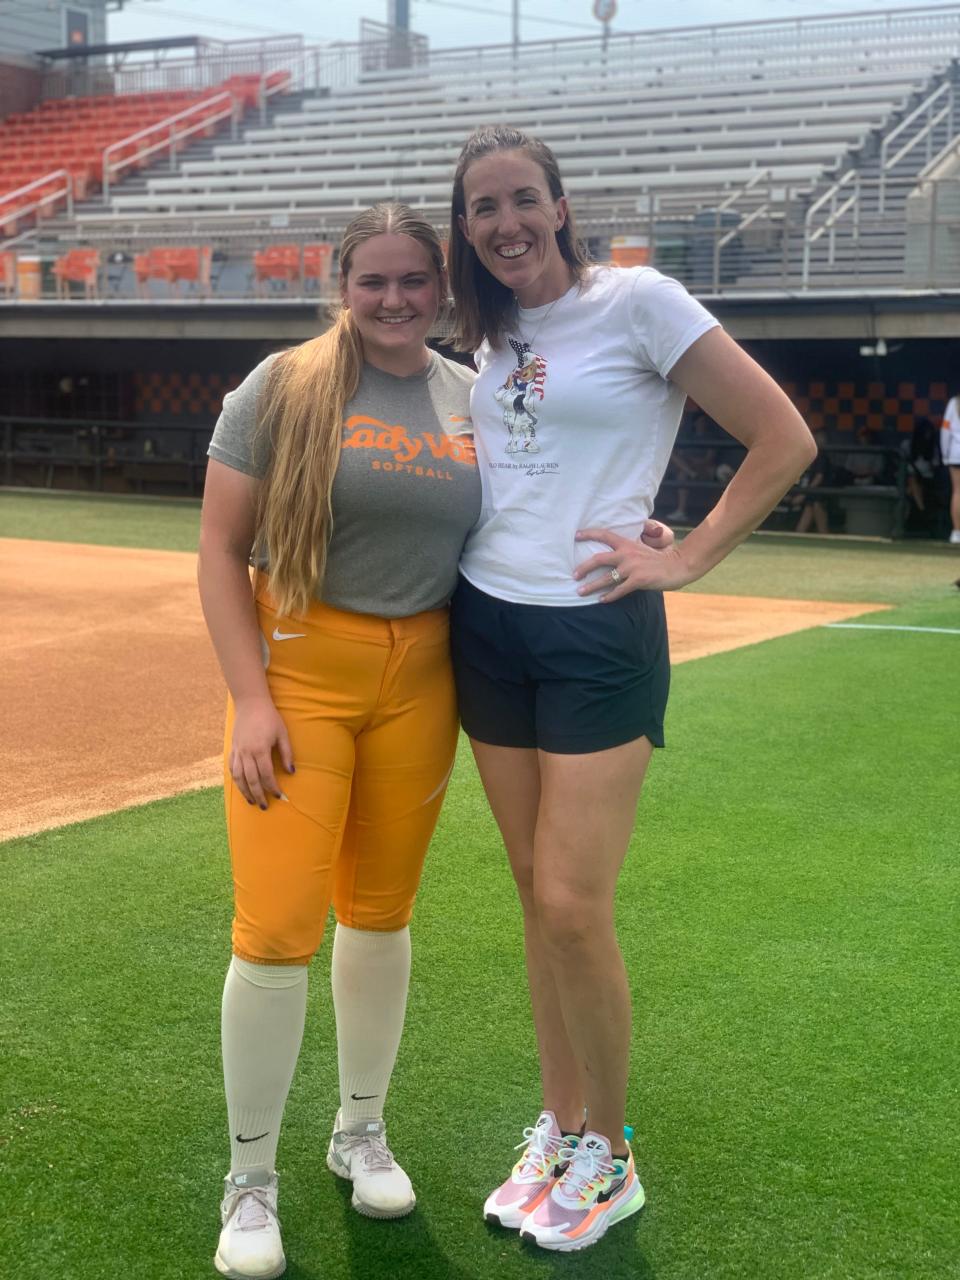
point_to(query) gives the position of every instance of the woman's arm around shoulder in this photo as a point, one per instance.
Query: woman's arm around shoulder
(226, 536)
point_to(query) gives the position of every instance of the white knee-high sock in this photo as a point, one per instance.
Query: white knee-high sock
(264, 1006)
(370, 977)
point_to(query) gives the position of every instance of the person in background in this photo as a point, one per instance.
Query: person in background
(922, 455)
(696, 461)
(813, 508)
(558, 628)
(950, 450)
(861, 467)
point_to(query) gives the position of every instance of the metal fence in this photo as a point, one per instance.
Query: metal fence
(895, 40)
(212, 63)
(775, 241)
(170, 459)
(104, 457)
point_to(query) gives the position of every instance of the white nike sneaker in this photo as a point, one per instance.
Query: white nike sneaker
(250, 1246)
(360, 1153)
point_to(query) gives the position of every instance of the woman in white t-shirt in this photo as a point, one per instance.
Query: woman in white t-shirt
(558, 629)
(950, 451)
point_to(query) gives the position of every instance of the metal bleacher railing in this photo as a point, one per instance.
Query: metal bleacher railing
(896, 38)
(208, 66)
(166, 137)
(785, 245)
(890, 40)
(783, 154)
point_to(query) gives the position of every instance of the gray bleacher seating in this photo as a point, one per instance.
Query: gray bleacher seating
(654, 132)
(348, 149)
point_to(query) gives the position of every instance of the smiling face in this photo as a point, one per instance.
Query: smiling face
(512, 221)
(393, 290)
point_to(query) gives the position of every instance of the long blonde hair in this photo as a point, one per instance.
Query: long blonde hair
(300, 426)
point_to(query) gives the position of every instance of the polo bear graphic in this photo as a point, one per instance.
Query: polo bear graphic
(518, 398)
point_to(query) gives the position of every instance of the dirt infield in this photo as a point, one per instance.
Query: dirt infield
(112, 695)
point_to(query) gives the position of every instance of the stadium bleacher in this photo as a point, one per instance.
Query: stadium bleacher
(611, 142)
(760, 155)
(67, 148)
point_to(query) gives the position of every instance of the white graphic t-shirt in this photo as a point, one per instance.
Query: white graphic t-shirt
(574, 421)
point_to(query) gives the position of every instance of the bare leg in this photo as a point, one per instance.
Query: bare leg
(587, 812)
(955, 497)
(511, 779)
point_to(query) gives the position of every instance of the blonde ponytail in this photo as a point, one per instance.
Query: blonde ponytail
(301, 423)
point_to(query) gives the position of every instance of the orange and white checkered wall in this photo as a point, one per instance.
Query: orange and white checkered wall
(172, 395)
(880, 406)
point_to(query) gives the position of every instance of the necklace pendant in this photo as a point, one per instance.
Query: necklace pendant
(520, 350)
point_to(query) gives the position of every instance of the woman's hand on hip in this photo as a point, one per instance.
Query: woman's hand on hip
(653, 563)
(258, 730)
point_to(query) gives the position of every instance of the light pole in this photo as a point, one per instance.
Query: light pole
(605, 11)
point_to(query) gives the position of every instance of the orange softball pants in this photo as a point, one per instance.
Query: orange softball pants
(370, 708)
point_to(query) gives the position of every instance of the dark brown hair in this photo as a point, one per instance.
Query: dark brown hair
(482, 302)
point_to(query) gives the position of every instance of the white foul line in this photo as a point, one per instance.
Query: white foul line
(873, 626)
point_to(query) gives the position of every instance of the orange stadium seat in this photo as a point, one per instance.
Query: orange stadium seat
(247, 87)
(317, 262)
(285, 262)
(191, 263)
(10, 218)
(80, 266)
(277, 262)
(8, 271)
(73, 133)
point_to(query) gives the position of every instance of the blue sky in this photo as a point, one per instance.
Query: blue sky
(448, 23)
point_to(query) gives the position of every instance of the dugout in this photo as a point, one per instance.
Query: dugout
(123, 399)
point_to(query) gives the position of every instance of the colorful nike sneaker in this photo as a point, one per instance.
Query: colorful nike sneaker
(359, 1152)
(532, 1176)
(250, 1247)
(595, 1191)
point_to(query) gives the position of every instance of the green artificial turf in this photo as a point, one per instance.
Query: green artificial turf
(165, 524)
(806, 568)
(788, 915)
(810, 568)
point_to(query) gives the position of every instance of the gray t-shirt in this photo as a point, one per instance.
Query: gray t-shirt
(406, 492)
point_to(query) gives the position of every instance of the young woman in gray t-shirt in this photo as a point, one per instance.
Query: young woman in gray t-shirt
(347, 465)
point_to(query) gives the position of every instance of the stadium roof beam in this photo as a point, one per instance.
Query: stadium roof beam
(121, 49)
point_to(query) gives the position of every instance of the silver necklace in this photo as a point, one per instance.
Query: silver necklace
(524, 346)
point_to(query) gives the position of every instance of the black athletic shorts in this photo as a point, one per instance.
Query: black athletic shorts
(567, 680)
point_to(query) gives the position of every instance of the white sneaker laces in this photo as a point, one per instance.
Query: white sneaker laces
(374, 1153)
(585, 1164)
(254, 1209)
(539, 1145)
